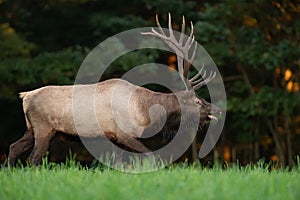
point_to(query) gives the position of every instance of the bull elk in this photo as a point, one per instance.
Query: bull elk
(49, 109)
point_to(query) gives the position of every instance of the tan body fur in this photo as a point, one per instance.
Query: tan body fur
(50, 109)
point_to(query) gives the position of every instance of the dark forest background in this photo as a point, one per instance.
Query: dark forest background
(255, 45)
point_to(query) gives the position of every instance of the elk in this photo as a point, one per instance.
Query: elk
(49, 109)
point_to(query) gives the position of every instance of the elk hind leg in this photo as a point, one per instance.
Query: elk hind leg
(41, 145)
(22, 145)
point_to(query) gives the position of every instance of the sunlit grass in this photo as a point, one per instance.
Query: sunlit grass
(73, 181)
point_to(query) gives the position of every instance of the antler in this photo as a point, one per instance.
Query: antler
(182, 49)
(196, 84)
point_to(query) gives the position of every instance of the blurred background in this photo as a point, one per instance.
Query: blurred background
(256, 47)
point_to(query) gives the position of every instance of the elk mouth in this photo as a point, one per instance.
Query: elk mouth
(214, 113)
(212, 117)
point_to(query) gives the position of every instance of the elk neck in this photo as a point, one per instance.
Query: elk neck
(168, 100)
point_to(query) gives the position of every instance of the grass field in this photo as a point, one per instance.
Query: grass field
(177, 182)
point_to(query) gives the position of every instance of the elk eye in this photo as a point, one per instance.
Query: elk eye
(199, 103)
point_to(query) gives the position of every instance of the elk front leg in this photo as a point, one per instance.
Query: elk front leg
(20, 146)
(133, 143)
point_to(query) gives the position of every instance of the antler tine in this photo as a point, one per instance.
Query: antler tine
(172, 37)
(194, 51)
(191, 38)
(199, 80)
(197, 75)
(205, 81)
(175, 46)
(178, 46)
(159, 26)
(189, 43)
(182, 31)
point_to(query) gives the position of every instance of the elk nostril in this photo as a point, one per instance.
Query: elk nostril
(216, 110)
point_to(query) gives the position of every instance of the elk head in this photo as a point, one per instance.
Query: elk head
(182, 47)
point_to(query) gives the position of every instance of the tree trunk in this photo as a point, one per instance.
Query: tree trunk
(194, 150)
(256, 144)
(223, 143)
(288, 141)
(276, 138)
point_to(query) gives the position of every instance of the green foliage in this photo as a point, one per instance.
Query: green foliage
(107, 24)
(253, 44)
(45, 69)
(132, 59)
(177, 8)
(12, 44)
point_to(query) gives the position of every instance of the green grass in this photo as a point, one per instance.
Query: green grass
(72, 181)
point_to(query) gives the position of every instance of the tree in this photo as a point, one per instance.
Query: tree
(255, 46)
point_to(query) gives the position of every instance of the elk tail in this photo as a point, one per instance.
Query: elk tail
(22, 94)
